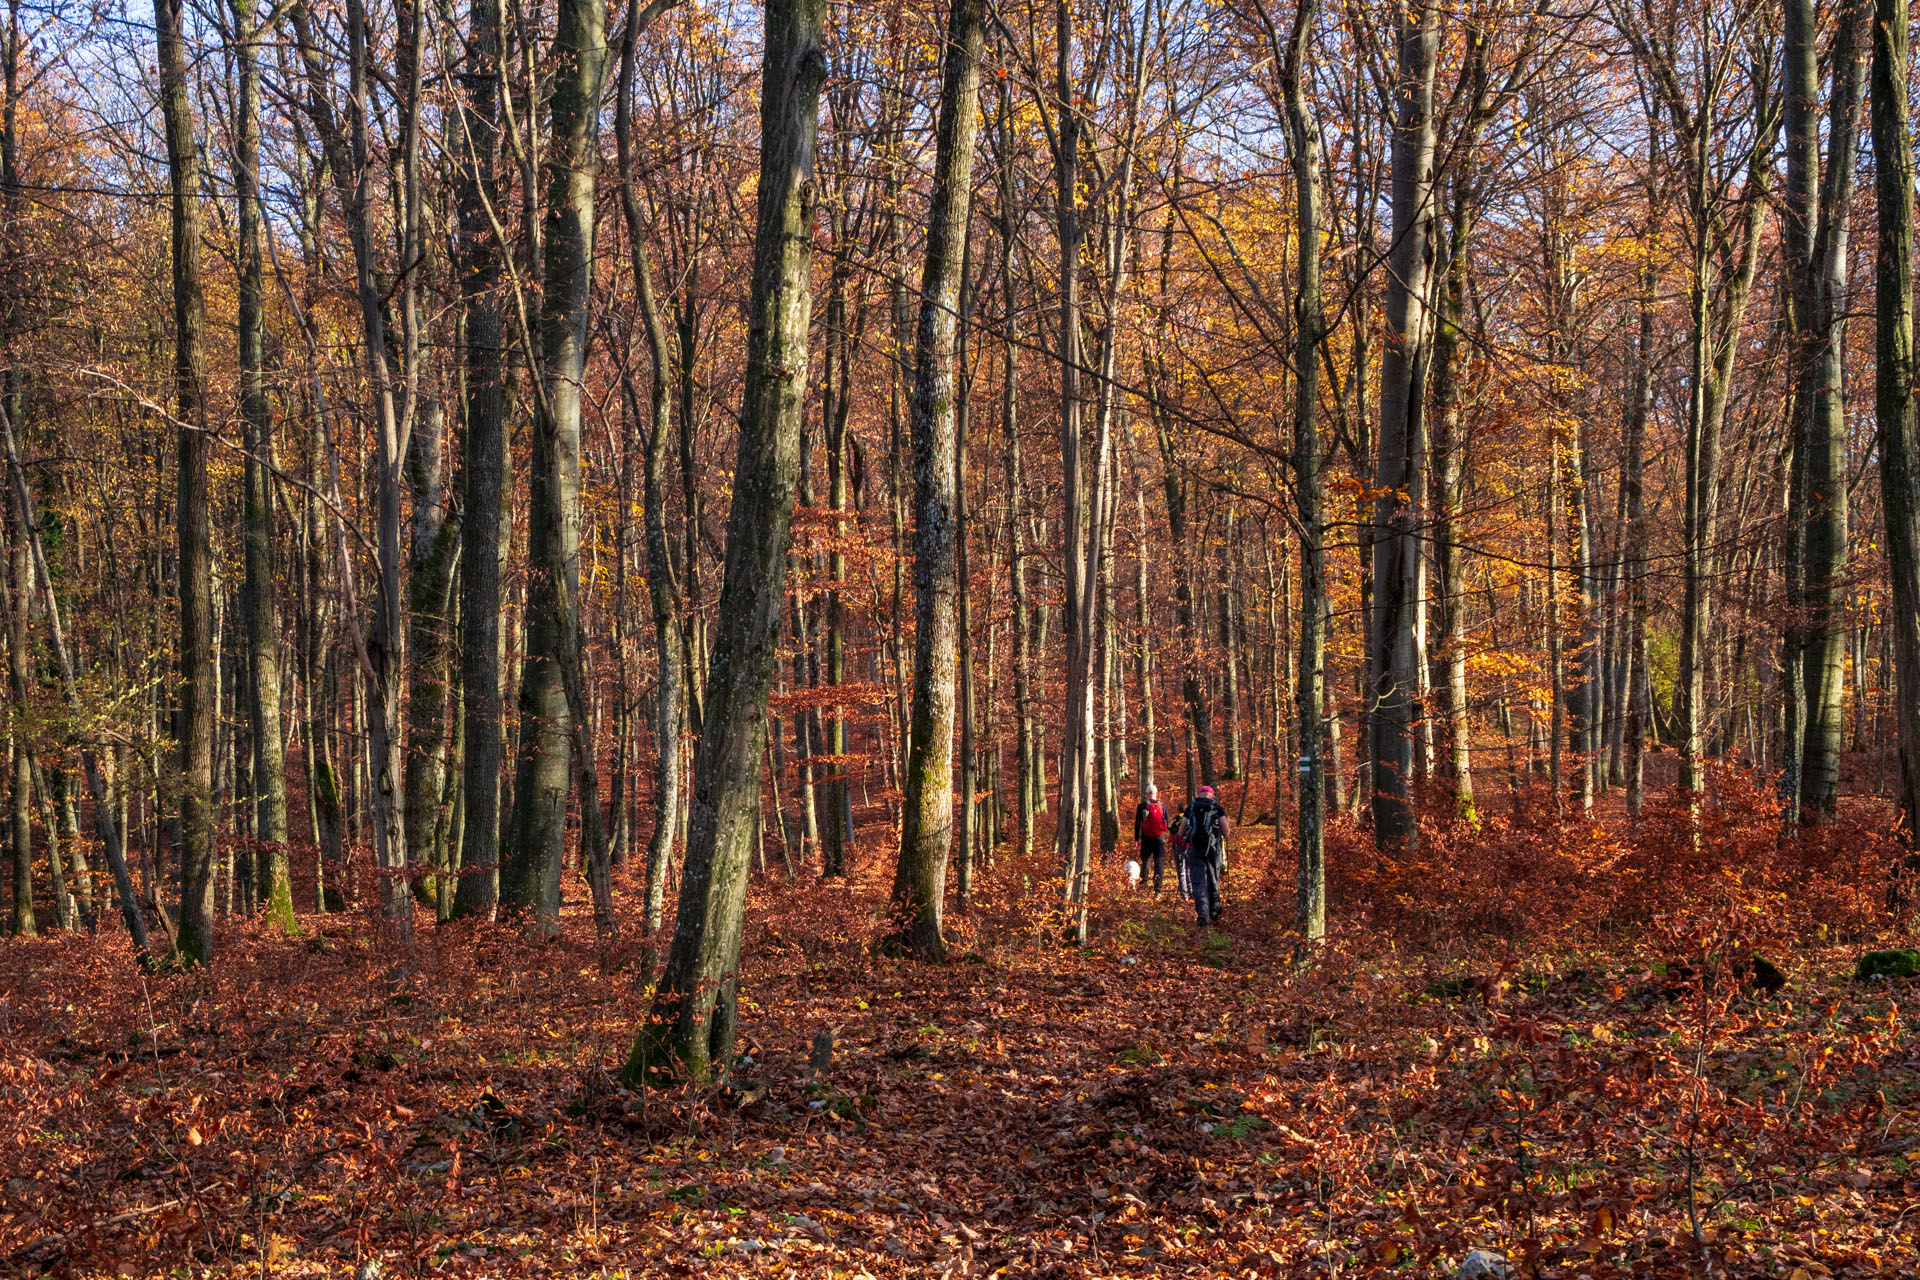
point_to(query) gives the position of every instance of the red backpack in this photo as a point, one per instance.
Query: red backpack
(1155, 824)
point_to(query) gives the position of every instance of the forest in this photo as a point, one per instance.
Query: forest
(1271, 638)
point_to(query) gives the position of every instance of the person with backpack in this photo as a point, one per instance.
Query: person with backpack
(1150, 830)
(1206, 827)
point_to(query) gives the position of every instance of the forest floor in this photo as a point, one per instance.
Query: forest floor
(1588, 1101)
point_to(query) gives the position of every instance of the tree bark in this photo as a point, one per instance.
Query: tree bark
(926, 836)
(1899, 441)
(1309, 316)
(197, 694)
(19, 678)
(550, 726)
(690, 1028)
(274, 873)
(1814, 243)
(483, 464)
(1397, 552)
(432, 553)
(662, 592)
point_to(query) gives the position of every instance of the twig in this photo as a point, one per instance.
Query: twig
(33, 1249)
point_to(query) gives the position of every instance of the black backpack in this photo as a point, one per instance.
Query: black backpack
(1203, 824)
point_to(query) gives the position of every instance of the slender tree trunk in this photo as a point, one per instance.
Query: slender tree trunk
(1303, 145)
(963, 656)
(194, 734)
(1026, 749)
(1073, 827)
(1449, 464)
(274, 874)
(553, 732)
(19, 678)
(1635, 532)
(662, 592)
(690, 1028)
(1143, 659)
(926, 837)
(483, 465)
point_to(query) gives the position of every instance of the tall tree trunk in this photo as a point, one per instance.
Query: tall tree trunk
(690, 1028)
(1893, 380)
(963, 585)
(1397, 549)
(662, 593)
(1449, 465)
(1143, 658)
(552, 727)
(194, 734)
(1814, 239)
(483, 464)
(926, 836)
(1073, 829)
(1309, 316)
(274, 874)
(1026, 750)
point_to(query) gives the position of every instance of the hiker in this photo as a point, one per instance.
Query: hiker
(1150, 831)
(1206, 829)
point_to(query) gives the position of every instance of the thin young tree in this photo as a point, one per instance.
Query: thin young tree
(662, 591)
(1309, 318)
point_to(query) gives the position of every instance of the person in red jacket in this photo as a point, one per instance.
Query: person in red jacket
(1150, 829)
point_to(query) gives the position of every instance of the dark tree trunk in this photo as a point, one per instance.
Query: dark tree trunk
(1893, 380)
(197, 694)
(483, 463)
(273, 876)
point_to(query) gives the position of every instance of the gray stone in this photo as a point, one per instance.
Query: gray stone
(1483, 1264)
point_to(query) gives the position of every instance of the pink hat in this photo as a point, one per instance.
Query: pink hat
(1206, 791)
